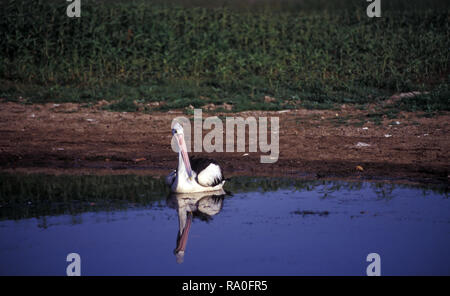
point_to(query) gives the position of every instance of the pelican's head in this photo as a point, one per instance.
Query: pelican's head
(177, 129)
(178, 133)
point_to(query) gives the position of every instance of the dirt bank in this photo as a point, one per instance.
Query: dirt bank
(69, 138)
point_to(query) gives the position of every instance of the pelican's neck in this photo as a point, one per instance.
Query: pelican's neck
(181, 166)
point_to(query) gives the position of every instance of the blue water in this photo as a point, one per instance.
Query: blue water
(284, 232)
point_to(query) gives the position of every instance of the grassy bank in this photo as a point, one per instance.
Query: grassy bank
(294, 51)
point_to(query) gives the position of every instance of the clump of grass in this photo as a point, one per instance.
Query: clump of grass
(123, 105)
(375, 117)
(437, 100)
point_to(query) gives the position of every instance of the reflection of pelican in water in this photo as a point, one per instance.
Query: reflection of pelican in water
(203, 205)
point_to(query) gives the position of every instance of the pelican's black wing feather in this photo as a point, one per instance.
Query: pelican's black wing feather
(208, 176)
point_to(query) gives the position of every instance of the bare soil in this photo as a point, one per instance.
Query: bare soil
(70, 138)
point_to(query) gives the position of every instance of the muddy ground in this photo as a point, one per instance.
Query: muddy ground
(71, 138)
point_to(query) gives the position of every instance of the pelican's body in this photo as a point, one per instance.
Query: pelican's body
(200, 175)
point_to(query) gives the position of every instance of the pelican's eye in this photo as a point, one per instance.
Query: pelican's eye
(174, 131)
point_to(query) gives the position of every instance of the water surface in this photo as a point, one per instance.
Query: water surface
(266, 227)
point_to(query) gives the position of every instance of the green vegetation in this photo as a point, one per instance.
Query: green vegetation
(435, 101)
(313, 54)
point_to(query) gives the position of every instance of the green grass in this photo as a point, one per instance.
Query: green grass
(313, 54)
(438, 100)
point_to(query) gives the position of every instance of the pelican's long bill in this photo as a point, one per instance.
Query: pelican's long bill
(184, 155)
(182, 240)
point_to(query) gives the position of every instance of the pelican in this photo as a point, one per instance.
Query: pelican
(201, 204)
(198, 175)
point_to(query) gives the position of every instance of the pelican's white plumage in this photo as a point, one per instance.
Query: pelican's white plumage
(209, 176)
